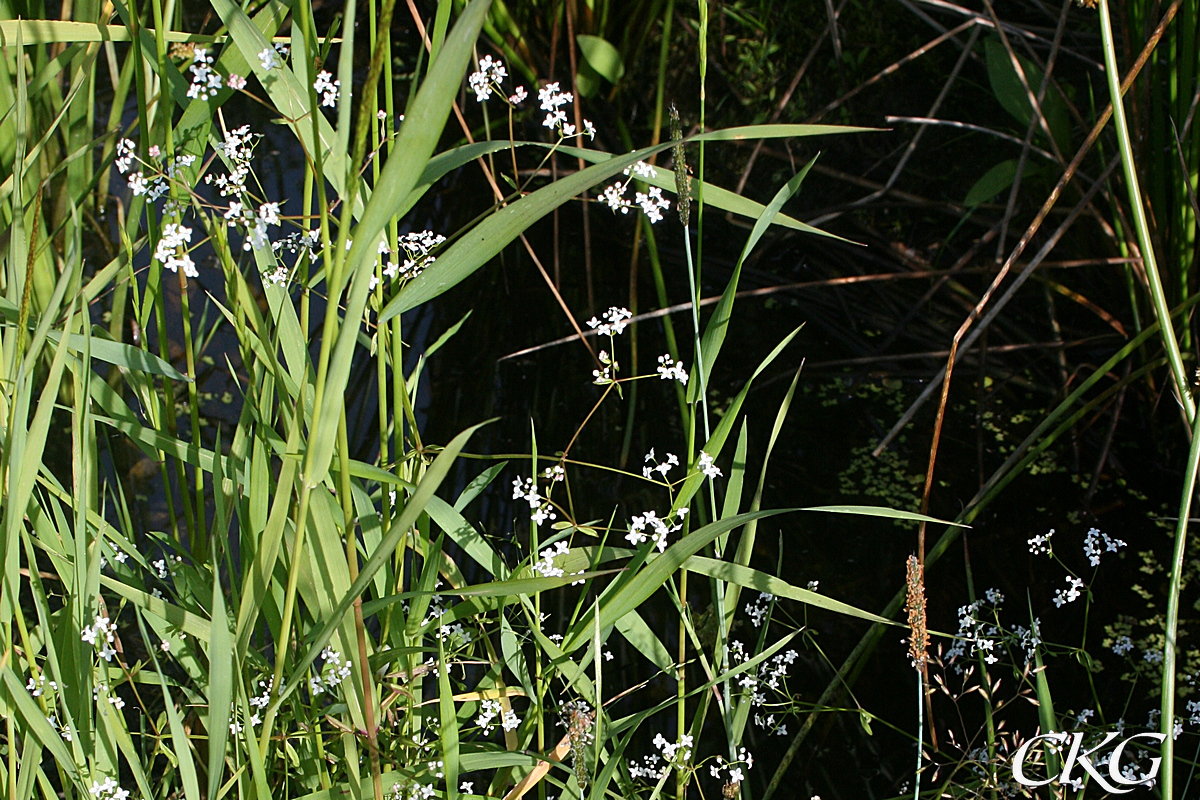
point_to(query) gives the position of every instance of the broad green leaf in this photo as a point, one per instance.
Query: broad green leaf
(1006, 85)
(994, 181)
(602, 57)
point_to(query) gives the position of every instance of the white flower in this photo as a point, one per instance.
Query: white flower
(205, 82)
(467, 787)
(329, 89)
(613, 321)
(707, 466)
(589, 129)
(1123, 645)
(642, 170)
(487, 78)
(124, 155)
(174, 237)
(1070, 594)
(518, 97)
(652, 203)
(235, 81)
(1041, 544)
(268, 59)
(669, 369)
(614, 198)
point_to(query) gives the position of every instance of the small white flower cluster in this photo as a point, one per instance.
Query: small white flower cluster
(1152, 656)
(769, 675)
(707, 466)
(490, 710)
(205, 81)
(546, 565)
(332, 673)
(417, 791)
(975, 632)
(1041, 544)
(417, 247)
(611, 322)
(554, 474)
(487, 78)
(1070, 594)
(125, 155)
(553, 99)
(235, 82)
(300, 242)
(759, 608)
(270, 58)
(527, 490)
(38, 687)
(1091, 545)
(156, 184)
(453, 633)
(108, 790)
(1193, 708)
(731, 772)
(329, 89)
(649, 527)
(1123, 646)
(608, 369)
(115, 701)
(661, 467)
(102, 632)
(673, 754)
(671, 370)
(259, 703)
(162, 566)
(255, 223)
(652, 203)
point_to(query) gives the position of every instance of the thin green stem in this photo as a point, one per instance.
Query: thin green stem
(1157, 296)
(1172, 626)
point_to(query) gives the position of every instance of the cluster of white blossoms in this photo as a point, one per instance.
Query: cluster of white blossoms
(490, 711)
(974, 632)
(162, 566)
(332, 672)
(272, 57)
(769, 675)
(759, 608)
(101, 632)
(731, 772)
(38, 687)
(1092, 541)
(487, 78)
(608, 369)
(259, 702)
(108, 790)
(661, 467)
(552, 100)
(206, 82)
(116, 701)
(329, 89)
(653, 767)
(647, 526)
(652, 203)
(546, 566)
(156, 184)
(1041, 544)
(611, 322)
(540, 507)
(416, 248)
(671, 370)
(706, 465)
(1070, 594)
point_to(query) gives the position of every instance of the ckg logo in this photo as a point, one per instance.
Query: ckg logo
(1108, 776)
